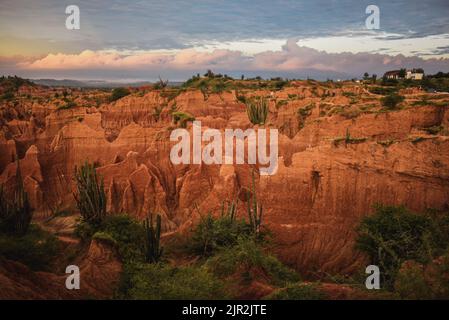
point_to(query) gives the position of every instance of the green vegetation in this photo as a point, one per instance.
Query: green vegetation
(348, 139)
(297, 291)
(247, 260)
(119, 93)
(211, 234)
(70, 104)
(160, 84)
(153, 249)
(36, 249)
(254, 209)
(383, 90)
(391, 101)
(15, 215)
(163, 282)
(281, 103)
(386, 143)
(394, 235)
(304, 112)
(182, 118)
(11, 85)
(90, 196)
(420, 281)
(257, 110)
(434, 129)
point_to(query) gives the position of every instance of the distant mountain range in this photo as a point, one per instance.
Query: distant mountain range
(92, 83)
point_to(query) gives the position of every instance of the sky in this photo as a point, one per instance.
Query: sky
(142, 40)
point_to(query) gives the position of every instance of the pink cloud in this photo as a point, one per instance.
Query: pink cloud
(290, 59)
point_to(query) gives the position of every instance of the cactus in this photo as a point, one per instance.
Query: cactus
(229, 211)
(153, 249)
(257, 111)
(255, 210)
(16, 217)
(90, 197)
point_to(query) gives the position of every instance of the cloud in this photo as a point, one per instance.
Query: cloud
(291, 59)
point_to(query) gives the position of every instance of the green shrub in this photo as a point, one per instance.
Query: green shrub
(68, 105)
(36, 249)
(213, 233)
(163, 282)
(119, 93)
(297, 291)
(123, 231)
(434, 129)
(410, 282)
(248, 258)
(241, 98)
(182, 118)
(393, 235)
(104, 236)
(129, 235)
(383, 90)
(392, 100)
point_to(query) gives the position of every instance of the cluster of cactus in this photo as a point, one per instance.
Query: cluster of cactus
(229, 210)
(153, 249)
(255, 210)
(257, 110)
(15, 216)
(90, 196)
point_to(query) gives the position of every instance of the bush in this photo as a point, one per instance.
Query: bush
(297, 291)
(392, 100)
(68, 105)
(121, 230)
(182, 118)
(249, 260)
(119, 93)
(410, 282)
(393, 235)
(163, 282)
(418, 281)
(36, 249)
(213, 233)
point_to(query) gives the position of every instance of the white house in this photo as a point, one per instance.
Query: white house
(415, 74)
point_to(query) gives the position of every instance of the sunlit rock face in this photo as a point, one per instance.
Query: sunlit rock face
(338, 155)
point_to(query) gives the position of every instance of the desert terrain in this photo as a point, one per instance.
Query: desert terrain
(341, 151)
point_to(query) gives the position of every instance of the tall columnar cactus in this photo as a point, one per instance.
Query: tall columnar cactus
(255, 210)
(153, 249)
(229, 210)
(90, 196)
(15, 216)
(257, 110)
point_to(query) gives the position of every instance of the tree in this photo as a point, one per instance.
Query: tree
(402, 73)
(209, 74)
(392, 100)
(119, 93)
(365, 75)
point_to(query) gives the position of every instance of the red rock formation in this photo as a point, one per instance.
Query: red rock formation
(313, 203)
